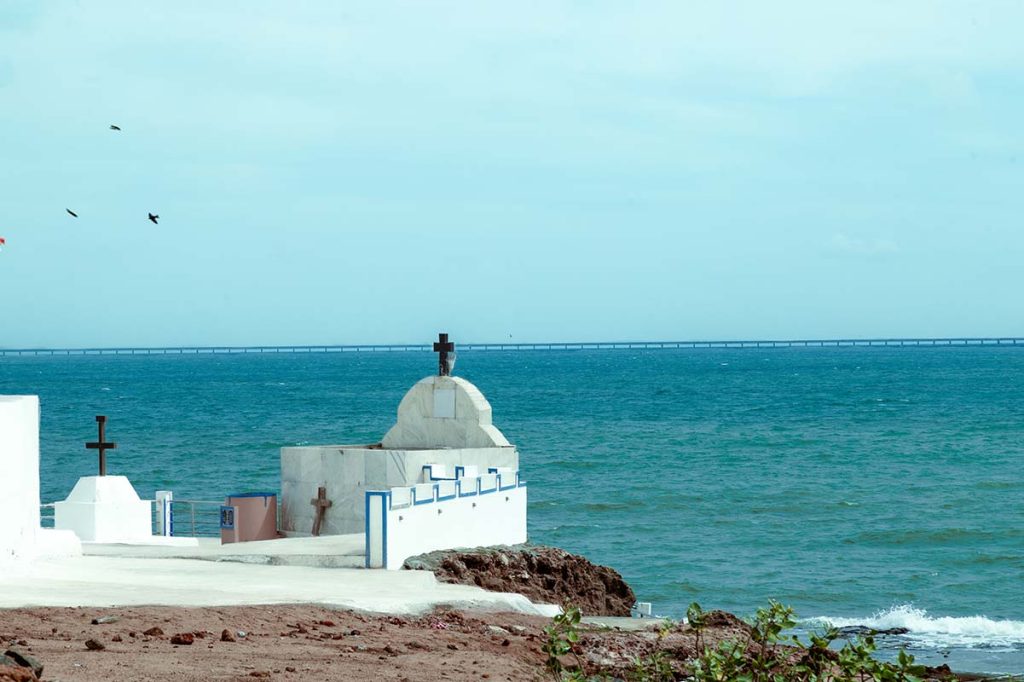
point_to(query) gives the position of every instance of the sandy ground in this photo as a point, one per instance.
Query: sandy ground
(279, 643)
(304, 642)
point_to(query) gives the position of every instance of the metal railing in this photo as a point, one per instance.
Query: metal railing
(46, 515)
(196, 518)
(192, 518)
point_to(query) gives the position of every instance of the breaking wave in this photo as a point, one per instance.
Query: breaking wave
(937, 632)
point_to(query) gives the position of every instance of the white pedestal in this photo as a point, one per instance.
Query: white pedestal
(105, 509)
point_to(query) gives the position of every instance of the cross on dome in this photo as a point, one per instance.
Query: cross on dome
(443, 347)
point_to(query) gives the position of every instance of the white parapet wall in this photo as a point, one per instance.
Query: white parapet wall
(347, 472)
(19, 471)
(478, 511)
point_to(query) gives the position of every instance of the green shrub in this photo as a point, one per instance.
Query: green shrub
(766, 654)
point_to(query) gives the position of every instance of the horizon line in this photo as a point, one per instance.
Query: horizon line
(956, 341)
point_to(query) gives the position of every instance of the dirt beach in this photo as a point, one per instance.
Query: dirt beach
(291, 642)
(302, 642)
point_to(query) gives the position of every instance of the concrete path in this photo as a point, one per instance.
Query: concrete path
(119, 581)
(328, 551)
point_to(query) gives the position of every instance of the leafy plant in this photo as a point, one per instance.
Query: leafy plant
(756, 659)
(656, 666)
(766, 654)
(561, 639)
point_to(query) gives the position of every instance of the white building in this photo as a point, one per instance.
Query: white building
(19, 460)
(442, 477)
(21, 537)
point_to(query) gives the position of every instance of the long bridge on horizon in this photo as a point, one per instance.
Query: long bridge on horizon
(559, 346)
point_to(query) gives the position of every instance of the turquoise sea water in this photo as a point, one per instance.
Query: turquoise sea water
(876, 486)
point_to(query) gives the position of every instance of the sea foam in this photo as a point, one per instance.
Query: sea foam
(938, 632)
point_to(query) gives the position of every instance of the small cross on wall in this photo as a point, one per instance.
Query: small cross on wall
(322, 504)
(101, 444)
(443, 347)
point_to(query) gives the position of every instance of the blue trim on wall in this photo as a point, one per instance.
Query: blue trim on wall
(366, 528)
(460, 471)
(476, 486)
(417, 502)
(430, 474)
(385, 506)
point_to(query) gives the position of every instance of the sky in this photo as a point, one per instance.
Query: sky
(360, 172)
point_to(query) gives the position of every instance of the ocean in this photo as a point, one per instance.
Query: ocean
(864, 486)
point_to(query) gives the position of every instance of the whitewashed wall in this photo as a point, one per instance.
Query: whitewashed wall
(471, 512)
(349, 471)
(19, 472)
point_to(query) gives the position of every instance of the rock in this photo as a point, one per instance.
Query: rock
(25, 661)
(116, 638)
(944, 674)
(289, 669)
(260, 673)
(154, 632)
(226, 636)
(453, 647)
(497, 630)
(545, 575)
(863, 630)
(354, 633)
(242, 634)
(103, 620)
(183, 638)
(93, 645)
(16, 673)
(724, 619)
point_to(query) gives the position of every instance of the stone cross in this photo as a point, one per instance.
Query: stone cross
(443, 347)
(101, 444)
(322, 504)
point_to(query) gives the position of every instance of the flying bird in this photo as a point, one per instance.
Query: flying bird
(153, 218)
(2, 242)
(71, 213)
(114, 127)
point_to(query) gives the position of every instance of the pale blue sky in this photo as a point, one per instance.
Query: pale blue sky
(333, 172)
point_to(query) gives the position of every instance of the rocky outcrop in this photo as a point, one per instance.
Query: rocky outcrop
(545, 575)
(16, 673)
(23, 660)
(16, 666)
